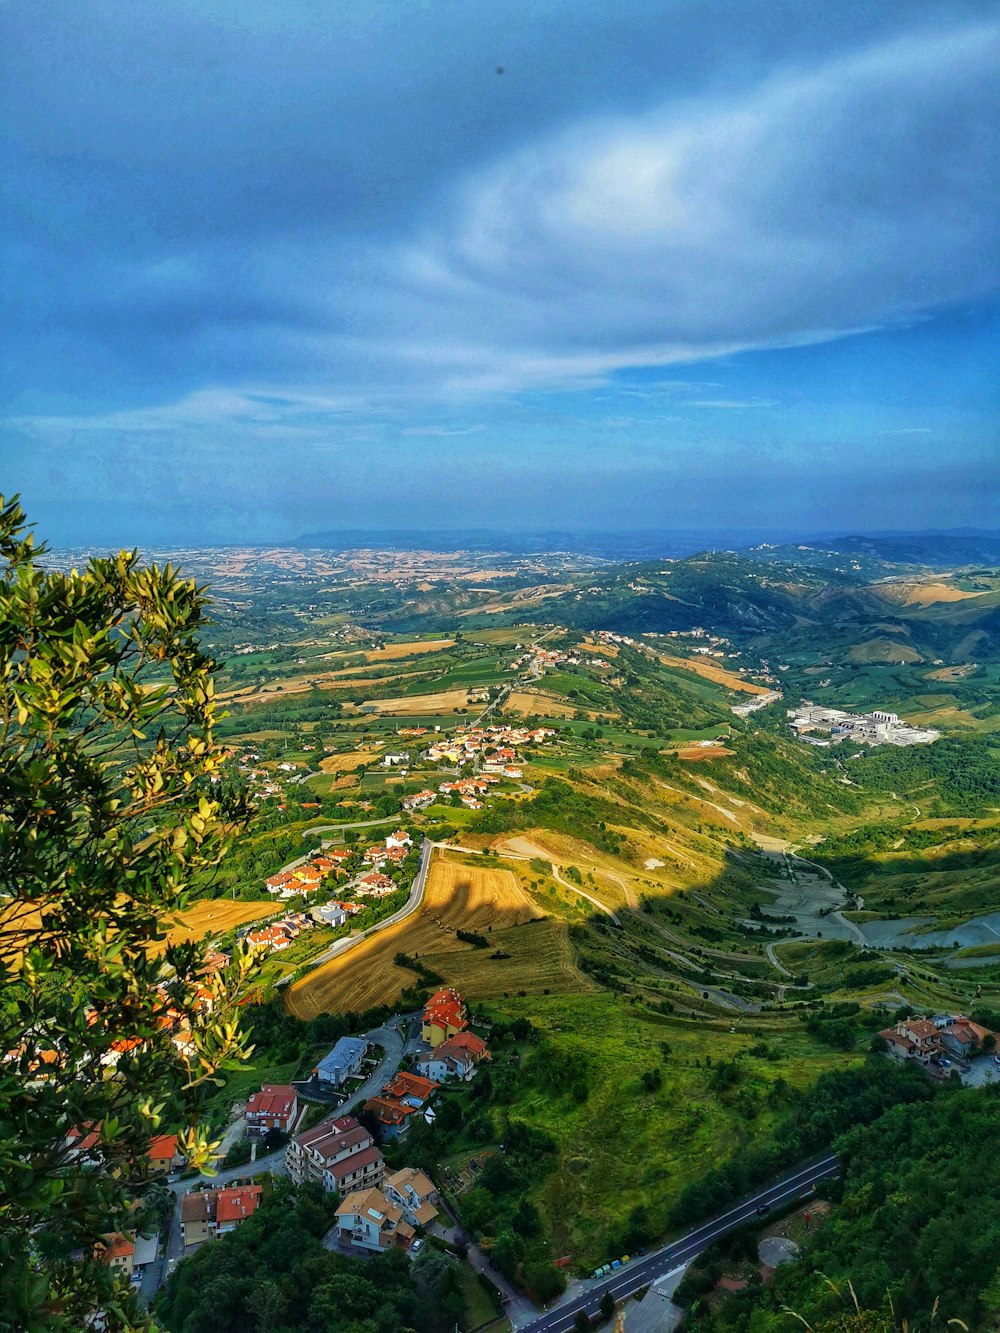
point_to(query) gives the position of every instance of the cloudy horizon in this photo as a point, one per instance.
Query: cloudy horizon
(693, 266)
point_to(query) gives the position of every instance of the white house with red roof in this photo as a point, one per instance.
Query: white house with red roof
(456, 1057)
(275, 1106)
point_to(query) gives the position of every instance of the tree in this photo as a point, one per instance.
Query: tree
(607, 1305)
(107, 816)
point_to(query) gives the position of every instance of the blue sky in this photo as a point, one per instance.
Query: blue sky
(274, 268)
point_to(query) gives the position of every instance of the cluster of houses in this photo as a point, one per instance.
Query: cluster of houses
(280, 934)
(307, 877)
(170, 1019)
(938, 1043)
(379, 1211)
(496, 744)
(310, 875)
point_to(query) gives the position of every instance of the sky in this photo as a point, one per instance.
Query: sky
(295, 266)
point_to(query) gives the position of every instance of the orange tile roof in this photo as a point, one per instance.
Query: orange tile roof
(235, 1204)
(405, 1084)
(114, 1247)
(463, 1041)
(272, 1099)
(162, 1148)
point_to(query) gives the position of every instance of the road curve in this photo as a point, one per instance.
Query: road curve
(340, 947)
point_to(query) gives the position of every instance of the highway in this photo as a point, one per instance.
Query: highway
(638, 1273)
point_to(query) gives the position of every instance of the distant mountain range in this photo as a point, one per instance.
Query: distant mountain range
(934, 549)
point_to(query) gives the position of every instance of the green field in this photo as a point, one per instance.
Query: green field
(625, 1146)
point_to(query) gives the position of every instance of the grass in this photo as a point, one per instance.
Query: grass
(479, 1311)
(625, 1146)
(241, 1083)
(541, 962)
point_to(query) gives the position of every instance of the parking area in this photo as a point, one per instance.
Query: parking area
(981, 1071)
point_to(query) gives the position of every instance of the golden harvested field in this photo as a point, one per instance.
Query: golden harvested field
(541, 962)
(708, 671)
(950, 672)
(214, 916)
(546, 705)
(341, 763)
(395, 650)
(459, 895)
(417, 704)
(696, 753)
(922, 594)
(209, 917)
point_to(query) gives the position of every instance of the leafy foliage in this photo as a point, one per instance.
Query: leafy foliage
(107, 812)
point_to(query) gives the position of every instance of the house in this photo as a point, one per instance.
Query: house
(899, 1046)
(444, 1016)
(83, 1141)
(162, 1154)
(412, 1089)
(962, 1038)
(414, 1192)
(375, 885)
(457, 1057)
(332, 914)
(270, 939)
(117, 1250)
(278, 882)
(208, 1213)
(368, 1220)
(393, 1116)
(400, 1099)
(233, 1206)
(339, 1154)
(921, 1032)
(198, 1216)
(275, 1106)
(399, 839)
(343, 1061)
(352, 909)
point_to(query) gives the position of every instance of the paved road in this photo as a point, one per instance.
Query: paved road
(416, 897)
(336, 828)
(586, 1295)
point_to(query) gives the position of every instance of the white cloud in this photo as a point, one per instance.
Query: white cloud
(826, 202)
(436, 432)
(732, 404)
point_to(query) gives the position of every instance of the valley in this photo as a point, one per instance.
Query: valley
(665, 883)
